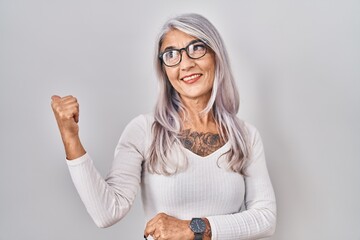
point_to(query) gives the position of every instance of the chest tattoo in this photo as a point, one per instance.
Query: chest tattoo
(201, 143)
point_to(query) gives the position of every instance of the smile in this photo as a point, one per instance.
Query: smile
(191, 78)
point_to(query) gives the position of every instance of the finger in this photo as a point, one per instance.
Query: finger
(152, 224)
(76, 117)
(156, 235)
(72, 106)
(55, 98)
(150, 227)
(156, 218)
(149, 230)
(66, 110)
(68, 99)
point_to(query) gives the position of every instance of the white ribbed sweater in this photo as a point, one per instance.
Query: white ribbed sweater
(237, 207)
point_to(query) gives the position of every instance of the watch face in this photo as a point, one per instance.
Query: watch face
(197, 225)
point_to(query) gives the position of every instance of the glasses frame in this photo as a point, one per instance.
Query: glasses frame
(186, 49)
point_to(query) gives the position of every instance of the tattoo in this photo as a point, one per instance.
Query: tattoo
(202, 144)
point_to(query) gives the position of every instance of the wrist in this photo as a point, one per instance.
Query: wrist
(207, 233)
(200, 228)
(73, 147)
(188, 233)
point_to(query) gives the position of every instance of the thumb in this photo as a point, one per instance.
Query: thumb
(55, 98)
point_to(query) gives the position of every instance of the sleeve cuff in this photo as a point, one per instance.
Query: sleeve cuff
(213, 228)
(79, 160)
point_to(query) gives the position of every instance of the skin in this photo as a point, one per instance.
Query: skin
(200, 131)
(194, 96)
(163, 226)
(66, 111)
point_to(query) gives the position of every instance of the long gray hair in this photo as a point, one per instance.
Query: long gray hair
(223, 103)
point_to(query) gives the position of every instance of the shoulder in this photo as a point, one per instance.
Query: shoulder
(136, 133)
(255, 143)
(139, 128)
(252, 134)
(142, 121)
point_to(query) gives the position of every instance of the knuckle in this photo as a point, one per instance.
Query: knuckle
(162, 222)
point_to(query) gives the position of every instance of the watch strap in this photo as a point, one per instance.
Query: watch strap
(198, 236)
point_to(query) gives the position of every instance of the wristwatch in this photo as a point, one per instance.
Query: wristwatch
(198, 226)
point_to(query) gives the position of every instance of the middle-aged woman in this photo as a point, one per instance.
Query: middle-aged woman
(201, 170)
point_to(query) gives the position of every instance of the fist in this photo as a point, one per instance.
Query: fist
(164, 227)
(66, 111)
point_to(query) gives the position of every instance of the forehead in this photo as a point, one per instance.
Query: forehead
(177, 39)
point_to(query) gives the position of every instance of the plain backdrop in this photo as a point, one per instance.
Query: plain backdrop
(297, 66)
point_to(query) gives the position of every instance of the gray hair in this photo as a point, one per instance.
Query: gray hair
(224, 101)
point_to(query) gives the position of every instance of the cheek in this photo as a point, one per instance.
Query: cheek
(210, 66)
(172, 78)
(171, 74)
(211, 72)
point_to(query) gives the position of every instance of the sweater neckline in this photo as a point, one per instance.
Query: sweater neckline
(217, 151)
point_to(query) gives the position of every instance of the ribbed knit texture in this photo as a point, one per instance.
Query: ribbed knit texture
(238, 207)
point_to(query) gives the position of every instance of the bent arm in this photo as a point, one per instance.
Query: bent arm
(258, 220)
(108, 200)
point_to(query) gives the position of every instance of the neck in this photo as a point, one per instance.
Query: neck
(196, 121)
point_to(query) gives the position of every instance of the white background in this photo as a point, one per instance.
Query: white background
(297, 65)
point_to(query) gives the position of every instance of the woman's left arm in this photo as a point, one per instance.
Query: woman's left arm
(257, 221)
(259, 218)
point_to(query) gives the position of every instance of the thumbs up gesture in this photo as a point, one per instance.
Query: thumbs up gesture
(66, 111)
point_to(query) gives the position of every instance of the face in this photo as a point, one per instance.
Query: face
(191, 78)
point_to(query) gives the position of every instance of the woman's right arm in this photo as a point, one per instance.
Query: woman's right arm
(106, 200)
(66, 111)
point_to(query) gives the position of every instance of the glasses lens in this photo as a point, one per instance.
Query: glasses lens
(171, 57)
(196, 50)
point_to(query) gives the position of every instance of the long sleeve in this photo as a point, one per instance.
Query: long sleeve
(108, 200)
(218, 194)
(258, 220)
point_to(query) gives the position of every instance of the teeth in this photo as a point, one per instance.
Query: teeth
(191, 77)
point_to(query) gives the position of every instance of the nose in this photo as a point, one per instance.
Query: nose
(186, 62)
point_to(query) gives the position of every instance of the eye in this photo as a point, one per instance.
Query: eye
(169, 55)
(198, 47)
(197, 50)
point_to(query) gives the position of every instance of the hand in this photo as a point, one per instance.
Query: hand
(163, 226)
(66, 112)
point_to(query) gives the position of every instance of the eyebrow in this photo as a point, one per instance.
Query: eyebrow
(191, 42)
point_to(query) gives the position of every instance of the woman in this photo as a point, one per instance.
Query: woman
(202, 170)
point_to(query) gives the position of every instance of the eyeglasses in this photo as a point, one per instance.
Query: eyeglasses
(172, 57)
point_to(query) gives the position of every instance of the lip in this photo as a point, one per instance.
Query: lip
(193, 79)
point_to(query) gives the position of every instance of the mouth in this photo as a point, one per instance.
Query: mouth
(191, 78)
